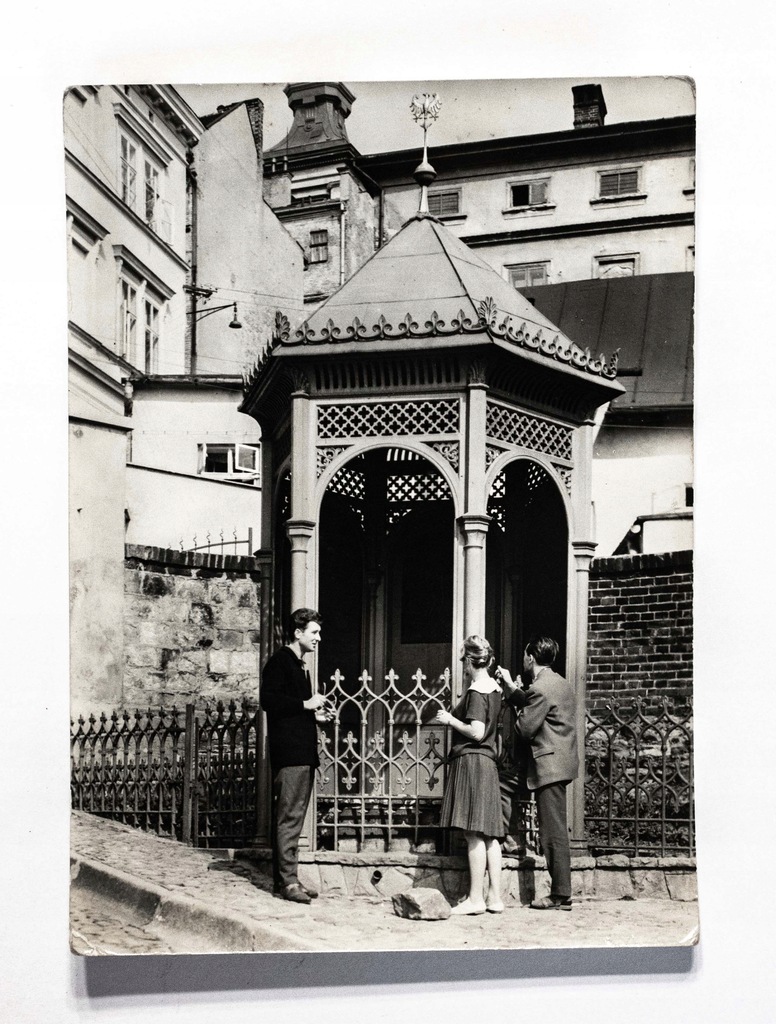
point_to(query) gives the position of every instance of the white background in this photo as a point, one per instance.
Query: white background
(727, 48)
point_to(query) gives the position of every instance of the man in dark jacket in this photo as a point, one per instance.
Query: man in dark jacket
(292, 712)
(547, 720)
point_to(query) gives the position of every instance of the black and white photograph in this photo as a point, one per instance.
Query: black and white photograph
(381, 497)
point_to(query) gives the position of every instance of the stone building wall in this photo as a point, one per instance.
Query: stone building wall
(640, 626)
(194, 629)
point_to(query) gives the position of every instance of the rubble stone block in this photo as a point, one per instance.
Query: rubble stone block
(421, 905)
(219, 661)
(650, 883)
(613, 885)
(309, 875)
(393, 881)
(682, 885)
(362, 883)
(332, 879)
(455, 884)
(245, 663)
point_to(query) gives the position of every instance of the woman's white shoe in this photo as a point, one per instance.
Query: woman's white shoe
(468, 908)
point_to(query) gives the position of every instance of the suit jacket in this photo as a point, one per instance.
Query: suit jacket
(292, 734)
(548, 722)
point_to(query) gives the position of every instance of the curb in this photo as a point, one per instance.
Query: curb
(220, 929)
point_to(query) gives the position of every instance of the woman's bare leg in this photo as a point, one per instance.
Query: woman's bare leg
(493, 859)
(475, 849)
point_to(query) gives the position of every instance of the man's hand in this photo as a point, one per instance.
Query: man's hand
(505, 680)
(325, 714)
(315, 702)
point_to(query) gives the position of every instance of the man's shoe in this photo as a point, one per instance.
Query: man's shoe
(312, 893)
(551, 903)
(295, 893)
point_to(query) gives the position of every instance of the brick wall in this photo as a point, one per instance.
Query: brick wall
(194, 627)
(640, 627)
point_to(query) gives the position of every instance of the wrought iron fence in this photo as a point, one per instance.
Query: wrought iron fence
(193, 780)
(638, 778)
(193, 775)
(222, 546)
(380, 780)
(383, 767)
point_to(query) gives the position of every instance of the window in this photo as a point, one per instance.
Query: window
(143, 305)
(625, 265)
(311, 194)
(612, 184)
(231, 461)
(441, 204)
(529, 193)
(319, 246)
(128, 171)
(142, 174)
(128, 320)
(151, 337)
(689, 191)
(151, 191)
(526, 275)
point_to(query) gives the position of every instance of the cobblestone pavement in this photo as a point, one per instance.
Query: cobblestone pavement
(332, 922)
(100, 927)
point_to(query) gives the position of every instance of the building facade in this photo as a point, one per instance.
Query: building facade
(565, 217)
(169, 242)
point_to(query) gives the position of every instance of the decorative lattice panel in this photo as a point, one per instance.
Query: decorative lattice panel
(323, 456)
(349, 483)
(499, 487)
(412, 488)
(532, 432)
(384, 419)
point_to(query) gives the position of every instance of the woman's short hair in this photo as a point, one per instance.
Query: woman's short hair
(477, 651)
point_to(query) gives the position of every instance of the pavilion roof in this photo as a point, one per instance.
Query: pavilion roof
(426, 288)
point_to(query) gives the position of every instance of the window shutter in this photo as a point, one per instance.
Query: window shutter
(538, 193)
(619, 183)
(441, 203)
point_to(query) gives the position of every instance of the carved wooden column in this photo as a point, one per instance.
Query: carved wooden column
(301, 525)
(475, 530)
(583, 548)
(474, 522)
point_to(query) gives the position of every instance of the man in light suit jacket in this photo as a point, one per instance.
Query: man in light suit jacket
(546, 718)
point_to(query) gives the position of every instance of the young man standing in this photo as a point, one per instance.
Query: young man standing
(292, 734)
(547, 719)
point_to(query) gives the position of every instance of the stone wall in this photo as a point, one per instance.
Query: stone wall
(193, 626)
(381, 876)
(640, 626)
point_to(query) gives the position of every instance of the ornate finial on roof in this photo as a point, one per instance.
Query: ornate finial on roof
(425, 110)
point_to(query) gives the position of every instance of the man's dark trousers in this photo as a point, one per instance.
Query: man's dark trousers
(291, 791)
(554, 836)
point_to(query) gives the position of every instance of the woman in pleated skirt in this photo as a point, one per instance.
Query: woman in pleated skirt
(472, 800)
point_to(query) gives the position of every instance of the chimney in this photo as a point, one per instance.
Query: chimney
(589, 106)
